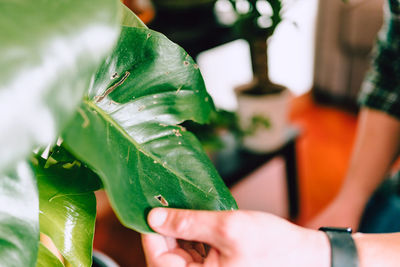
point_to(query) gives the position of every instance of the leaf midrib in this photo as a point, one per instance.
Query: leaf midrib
(110, 120)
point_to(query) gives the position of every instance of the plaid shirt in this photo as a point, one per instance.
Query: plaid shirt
(381, 87)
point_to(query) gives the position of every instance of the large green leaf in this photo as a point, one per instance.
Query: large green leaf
(46, 258)
(127, 130)
(19, 219)
(49, 51)
(67, 205)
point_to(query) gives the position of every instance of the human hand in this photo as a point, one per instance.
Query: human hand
(236, 238)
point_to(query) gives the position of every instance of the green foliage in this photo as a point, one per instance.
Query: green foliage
(223, 121)
(119, 112)
(248, 24)
(256, 122)
(49, 51)
(19, 217)
(127, 130)
(210, 134)
(46, 258)
(67, 204)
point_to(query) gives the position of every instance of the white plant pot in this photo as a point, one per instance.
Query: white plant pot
(274, 108)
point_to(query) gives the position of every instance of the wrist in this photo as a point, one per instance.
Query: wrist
(324, 249)
(343, 251)
(378, 249)
(318, 249)
(358, 240)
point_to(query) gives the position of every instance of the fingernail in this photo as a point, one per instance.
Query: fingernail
(157, 217)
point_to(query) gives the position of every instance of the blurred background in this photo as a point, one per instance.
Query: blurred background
(318, 53)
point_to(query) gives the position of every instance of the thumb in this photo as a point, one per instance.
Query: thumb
(202, 226)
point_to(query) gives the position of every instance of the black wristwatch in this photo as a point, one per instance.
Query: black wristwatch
(343, 249)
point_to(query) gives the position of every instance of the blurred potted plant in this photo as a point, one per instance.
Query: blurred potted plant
(262, 104)
(117, 96)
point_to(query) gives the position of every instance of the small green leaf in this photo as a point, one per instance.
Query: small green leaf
(49, 51)
(19, 220)
(47, 259)
(259, 121)
(68, 207)
(128, 131)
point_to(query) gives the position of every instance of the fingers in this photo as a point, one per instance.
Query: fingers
(212, 258)
(195, 249)
(203, 226)
(171, 242)
(154, 245)
(173, 259)
(200, 248)
(159, 251)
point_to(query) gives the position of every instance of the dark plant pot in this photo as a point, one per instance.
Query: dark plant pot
(102, 260)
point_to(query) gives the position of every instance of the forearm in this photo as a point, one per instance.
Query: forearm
(372, 249)
(376, 146)
(378, 249)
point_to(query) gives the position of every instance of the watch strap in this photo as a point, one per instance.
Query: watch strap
(343, 248)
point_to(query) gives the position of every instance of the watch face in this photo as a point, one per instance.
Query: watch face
(337, 229)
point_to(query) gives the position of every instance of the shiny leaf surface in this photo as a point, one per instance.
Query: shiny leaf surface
(46, 258)
(67, 205)
(19, 219)
(128, 131)
(49, 50)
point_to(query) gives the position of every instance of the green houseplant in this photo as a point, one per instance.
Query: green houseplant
(256, 22)
(262, 104)
(116, 96)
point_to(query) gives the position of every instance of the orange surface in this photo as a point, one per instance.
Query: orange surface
(323, 152)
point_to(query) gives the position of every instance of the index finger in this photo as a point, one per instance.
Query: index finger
(202, 226)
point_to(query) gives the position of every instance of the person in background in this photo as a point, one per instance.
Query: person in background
(378, 134)
(248, 238)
